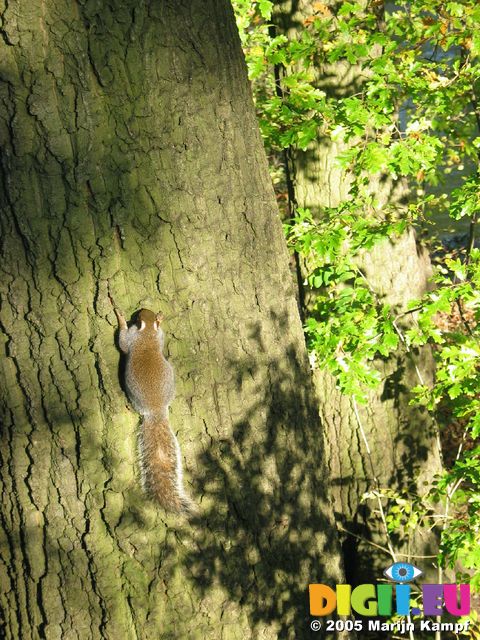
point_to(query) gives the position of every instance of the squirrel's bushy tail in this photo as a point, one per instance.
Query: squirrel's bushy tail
(162, 465)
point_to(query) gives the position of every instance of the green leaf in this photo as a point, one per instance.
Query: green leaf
(265, 7)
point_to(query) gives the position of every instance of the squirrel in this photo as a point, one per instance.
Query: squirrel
(150, 387)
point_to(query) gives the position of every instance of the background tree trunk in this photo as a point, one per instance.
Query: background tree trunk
(402, 438)
(131, 164)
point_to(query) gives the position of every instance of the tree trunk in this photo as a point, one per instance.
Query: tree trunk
(403, 440)
(131, 166)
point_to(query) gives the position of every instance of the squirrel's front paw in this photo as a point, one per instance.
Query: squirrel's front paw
(122, 323)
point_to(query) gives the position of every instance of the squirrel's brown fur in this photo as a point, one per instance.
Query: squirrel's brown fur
(150, 386)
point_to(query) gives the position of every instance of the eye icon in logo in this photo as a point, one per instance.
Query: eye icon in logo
(402, 572)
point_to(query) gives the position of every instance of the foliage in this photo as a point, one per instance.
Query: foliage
(347, 326)
(457, 383)
(414, 116)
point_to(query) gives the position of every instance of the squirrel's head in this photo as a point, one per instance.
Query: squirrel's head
(146, 319)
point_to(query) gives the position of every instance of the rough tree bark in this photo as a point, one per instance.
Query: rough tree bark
(131, 164)
(402, 438)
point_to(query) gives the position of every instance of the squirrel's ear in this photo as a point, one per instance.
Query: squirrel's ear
(159, 317)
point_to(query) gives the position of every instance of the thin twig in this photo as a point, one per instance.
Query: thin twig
(451, 489)
(372, 544)
(377, 485)
(375, 479)
(378, 546)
